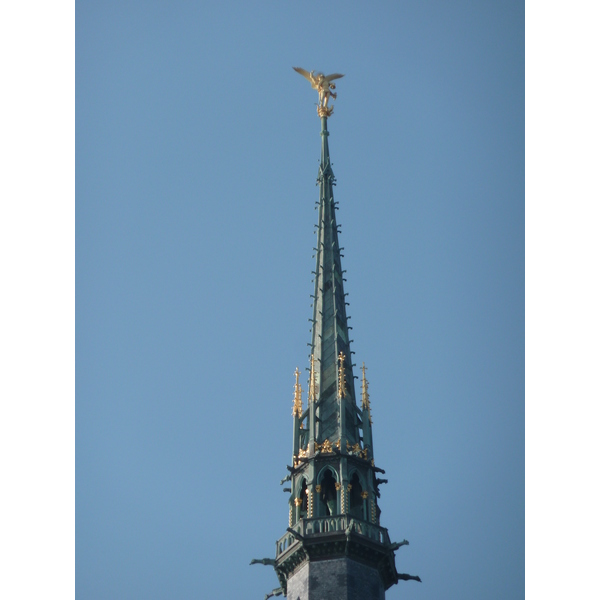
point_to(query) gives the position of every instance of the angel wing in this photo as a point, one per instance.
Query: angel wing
(307, 75)
(333, 76)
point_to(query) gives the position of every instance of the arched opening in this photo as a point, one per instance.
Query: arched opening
(299, 502)
(328, 494)
(303, 508)
(357, 502)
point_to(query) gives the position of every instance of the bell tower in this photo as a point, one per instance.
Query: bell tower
(334, 547)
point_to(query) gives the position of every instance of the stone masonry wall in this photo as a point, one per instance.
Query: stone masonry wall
(335, 579)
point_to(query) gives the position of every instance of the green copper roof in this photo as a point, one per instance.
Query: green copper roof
(334, 420)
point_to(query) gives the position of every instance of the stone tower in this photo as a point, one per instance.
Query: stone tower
(334, 547)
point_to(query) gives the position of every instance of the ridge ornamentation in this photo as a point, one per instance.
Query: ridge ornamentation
(311, 383)
(326, 447)
(342, 377)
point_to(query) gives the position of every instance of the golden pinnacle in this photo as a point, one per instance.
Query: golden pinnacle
(297, 409)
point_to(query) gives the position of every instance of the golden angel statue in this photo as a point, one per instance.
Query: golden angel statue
(323, 84)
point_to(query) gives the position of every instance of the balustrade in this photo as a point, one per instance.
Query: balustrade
(318, 526)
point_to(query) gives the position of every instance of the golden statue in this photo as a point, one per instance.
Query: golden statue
(321, 83)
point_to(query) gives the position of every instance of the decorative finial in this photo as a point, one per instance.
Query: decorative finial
(321, 83)
(341, 377)
(297, 410)
(366, 405)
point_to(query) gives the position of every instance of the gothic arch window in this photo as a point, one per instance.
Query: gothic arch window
(328, 493)
(357, 502)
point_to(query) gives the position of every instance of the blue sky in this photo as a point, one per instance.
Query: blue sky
(196, 156)
(197, 148)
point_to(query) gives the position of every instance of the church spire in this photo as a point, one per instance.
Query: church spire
(336, 415)
(335, 546)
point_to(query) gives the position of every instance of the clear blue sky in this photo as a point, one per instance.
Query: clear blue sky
(197, 149)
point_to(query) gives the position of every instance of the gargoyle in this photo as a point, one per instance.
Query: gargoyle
(263, 561)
